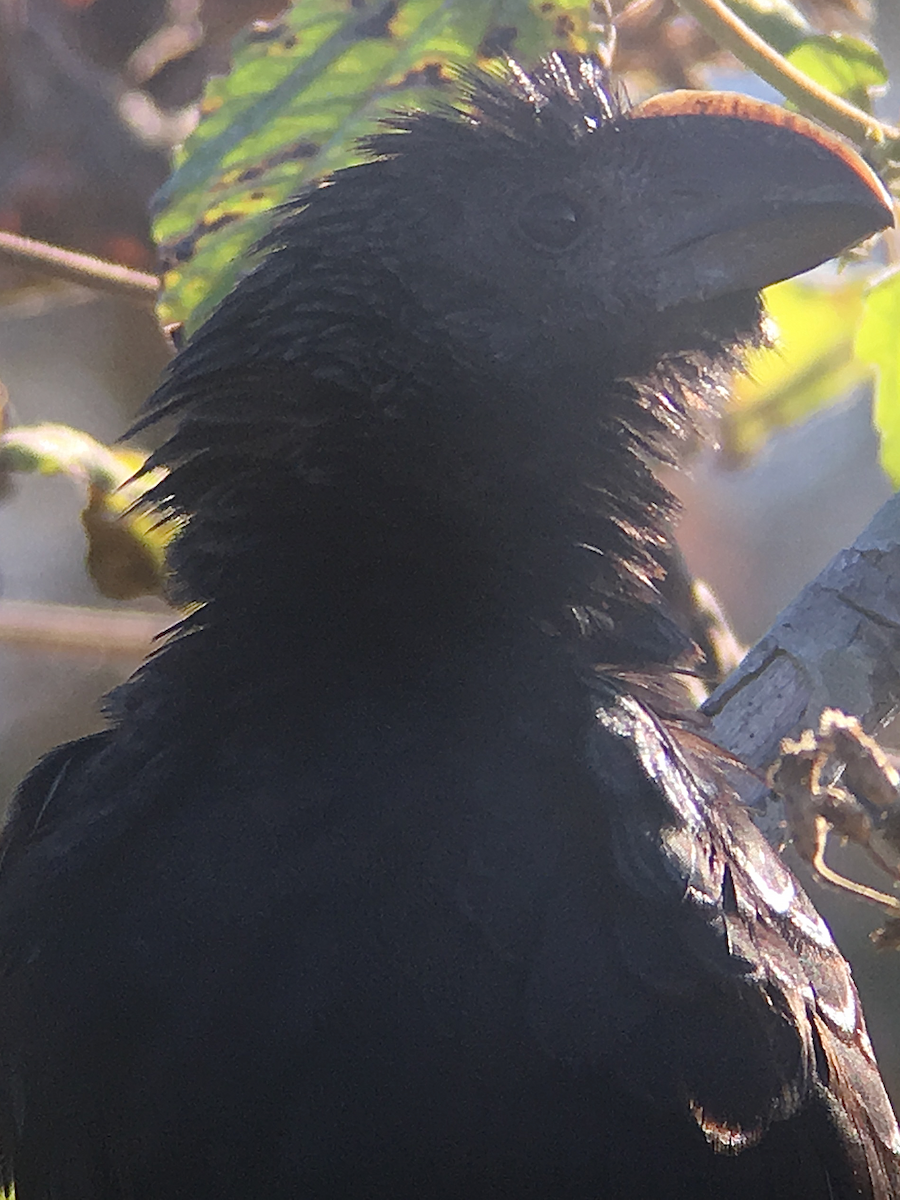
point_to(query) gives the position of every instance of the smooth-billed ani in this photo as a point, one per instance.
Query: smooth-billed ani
(400, 872)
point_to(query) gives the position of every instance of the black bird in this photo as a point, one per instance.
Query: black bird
(400, 872)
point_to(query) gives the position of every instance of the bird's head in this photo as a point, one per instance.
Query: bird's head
(556, 231)
(492, 320)
(544, 235)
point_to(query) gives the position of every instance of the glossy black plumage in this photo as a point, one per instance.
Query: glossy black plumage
(401, 871)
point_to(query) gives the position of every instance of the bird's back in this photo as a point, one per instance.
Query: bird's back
(375, 946)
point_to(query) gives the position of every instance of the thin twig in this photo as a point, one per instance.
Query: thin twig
(810, 97)
(882, 899)
(122, 633)
(80, 268)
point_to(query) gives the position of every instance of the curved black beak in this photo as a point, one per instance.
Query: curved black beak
(761, 196)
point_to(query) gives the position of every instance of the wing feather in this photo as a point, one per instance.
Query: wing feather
(747, 929)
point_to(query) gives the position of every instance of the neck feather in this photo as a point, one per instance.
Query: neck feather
(362, 477)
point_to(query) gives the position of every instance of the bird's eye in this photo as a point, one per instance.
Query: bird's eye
(550, 220)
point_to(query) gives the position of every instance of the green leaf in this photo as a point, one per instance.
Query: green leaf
(847, 66)
(126, 546)
(776, 21)
(810, 364)
(878, 343)
(301, 93)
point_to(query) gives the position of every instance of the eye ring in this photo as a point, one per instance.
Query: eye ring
(550, 220)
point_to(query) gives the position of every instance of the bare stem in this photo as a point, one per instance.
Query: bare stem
(754, 52)
(112, 633)
(80, 268)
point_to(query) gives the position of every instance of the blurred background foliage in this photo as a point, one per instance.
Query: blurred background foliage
(209, 113)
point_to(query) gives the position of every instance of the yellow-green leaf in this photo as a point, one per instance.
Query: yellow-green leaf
(847, 66)
(878, 343)
(810, 364)
(126, 546)
(301, 93)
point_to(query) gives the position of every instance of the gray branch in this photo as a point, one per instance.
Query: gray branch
(837, 645)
